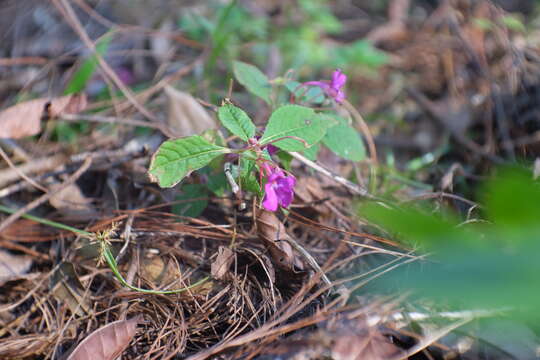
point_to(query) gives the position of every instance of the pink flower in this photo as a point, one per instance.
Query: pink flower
(333, 87)
(279, 189)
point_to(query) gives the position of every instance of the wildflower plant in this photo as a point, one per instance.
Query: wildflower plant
(259, 153)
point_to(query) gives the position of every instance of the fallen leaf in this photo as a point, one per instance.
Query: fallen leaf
(24, 119)
(186, 116)
(310, 191)
(277, 241)
(67, 288)
(222, 263)
(108, 342)
(13, 266)
(70, 201)
(158, 270)
(356, 340)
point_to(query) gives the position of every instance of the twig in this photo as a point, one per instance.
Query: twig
(19, 172)
(111, 120)
(32, 205)
(65, 8)
(310, 259)
(348, 184)
(50, 163)
(38, 165)
(461, 139)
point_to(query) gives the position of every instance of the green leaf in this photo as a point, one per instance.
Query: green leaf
(217, 183)
(345, 141)
(236, 121)
(360, 53)
(175, 159)
(513, 199)
(297, 121)
(313, 94)
(82, 76)
(253, 79)
(285, 159)
(514, 23)
(196, 206)
(248, 178)
(311, 152)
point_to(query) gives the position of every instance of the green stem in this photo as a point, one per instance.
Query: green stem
(47, 222)
(105, 253)
(109, 257)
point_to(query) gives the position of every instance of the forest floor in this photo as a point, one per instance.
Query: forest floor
(412, 232)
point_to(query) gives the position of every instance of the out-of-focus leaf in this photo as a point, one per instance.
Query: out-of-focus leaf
(513, 22)
(488, 265)
(253, 79)
(196, 206)
(345, 141)
(359, 53)
(24, 119)
(513, 199)
(82, 76)
(108, 342)
(312, 94)
(186, 116)
(217, 183)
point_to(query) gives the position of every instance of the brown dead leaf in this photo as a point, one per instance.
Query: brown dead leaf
(24, 119)
(107, 342)
(160, 270)
(13, 266)
(309, 191)
(354, 339)
(222, 263)
(277, 241)
(70, 201)
(186, 116)
(67, 288)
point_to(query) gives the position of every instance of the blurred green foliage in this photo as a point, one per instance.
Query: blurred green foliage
(493, 262)
(88, 67)
(299, 35)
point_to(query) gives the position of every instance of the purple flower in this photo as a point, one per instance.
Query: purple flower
(333, 87)
(271, 149)
(279, 189)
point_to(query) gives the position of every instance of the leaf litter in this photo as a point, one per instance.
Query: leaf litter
(264, 299)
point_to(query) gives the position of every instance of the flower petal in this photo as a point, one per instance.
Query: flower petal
(338, 79)
(270, 201)
(285, 190)
(340, 96)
